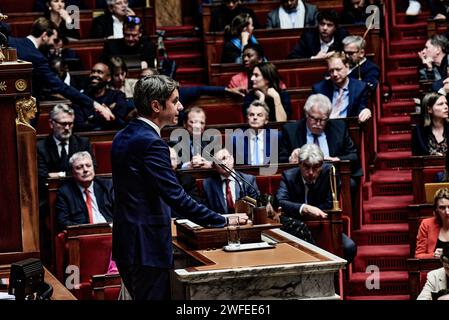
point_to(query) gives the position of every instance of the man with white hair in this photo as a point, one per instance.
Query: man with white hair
(305, 192)
(110, 24)
(84, 199)
(360, 67)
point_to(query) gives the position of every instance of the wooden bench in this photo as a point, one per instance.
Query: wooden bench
(278, 43)
(261, 9)
(417, 274)
(424, 169)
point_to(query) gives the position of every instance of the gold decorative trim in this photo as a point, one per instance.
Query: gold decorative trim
(21, 84)
(3, 86)
(26, 110)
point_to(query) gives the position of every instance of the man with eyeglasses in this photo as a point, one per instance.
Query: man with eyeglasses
(138, 51)
(360, 67)
(331, 136)
(292, 14)
(54, 152)
(110, 24)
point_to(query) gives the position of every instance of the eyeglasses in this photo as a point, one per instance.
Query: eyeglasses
(63, 124)
(316, 120)
(350, 53)
(133, 20)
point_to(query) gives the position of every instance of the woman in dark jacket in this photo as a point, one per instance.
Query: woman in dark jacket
(267, 87)
(236, 36)
(430, 137)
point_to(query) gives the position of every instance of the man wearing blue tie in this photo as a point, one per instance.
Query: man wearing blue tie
(146, 192)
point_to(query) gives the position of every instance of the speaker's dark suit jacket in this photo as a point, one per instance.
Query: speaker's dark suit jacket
(291, 193)
(213, 190)
(146, 190)
(294, 135)
(42, 74)
(358, 94)
(71, 208)
(309, 43)
(188, 183)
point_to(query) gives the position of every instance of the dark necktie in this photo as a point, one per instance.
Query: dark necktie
(229, 201)
(63, 158)
(315, 139)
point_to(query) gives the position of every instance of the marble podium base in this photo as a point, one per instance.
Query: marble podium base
(309, 280)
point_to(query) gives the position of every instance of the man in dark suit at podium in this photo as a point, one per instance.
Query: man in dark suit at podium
(43, 34)
(146, 192)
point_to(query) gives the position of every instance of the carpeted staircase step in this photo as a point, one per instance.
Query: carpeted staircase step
(406, 45)
(402, 60)
(191, 75)
(403, 76)
(398, 107)
(395, 142)
(386, 257)
(183, 45)
(388, 182)
(180, 31)
(410, 31)
(390, 283)
(394, 160)
(382, 235)
(386, 209)
(390, 297)
(402, 18)
(394, 125)
(187, 59)
(405, 91)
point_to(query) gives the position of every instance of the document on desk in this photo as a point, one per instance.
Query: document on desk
(6, 296)
(189, 223)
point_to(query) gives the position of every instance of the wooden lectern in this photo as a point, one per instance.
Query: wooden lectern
(19, 214)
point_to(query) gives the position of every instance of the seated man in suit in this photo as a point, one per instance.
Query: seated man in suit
(322, 41)
(192, 146)
(331, 136)
(306, 191)
(255, 145)
(349, 96)
(53, 152)
(223, 189)
(361, 68)
(99, 78)
(110, 24)
(292, 14)
(84, 199)
(137, 51)
(437, 280)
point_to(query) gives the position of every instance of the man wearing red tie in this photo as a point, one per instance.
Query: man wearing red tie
(84, 199)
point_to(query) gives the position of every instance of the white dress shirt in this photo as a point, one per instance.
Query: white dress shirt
(98, 217)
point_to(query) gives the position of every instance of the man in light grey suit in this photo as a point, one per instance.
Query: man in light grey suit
(436, 279)
(292, 14)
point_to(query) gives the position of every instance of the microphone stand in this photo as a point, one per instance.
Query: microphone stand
(233, 174)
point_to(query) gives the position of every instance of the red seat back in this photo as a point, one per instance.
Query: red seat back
(102, 153)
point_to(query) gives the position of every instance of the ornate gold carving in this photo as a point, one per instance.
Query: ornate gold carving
(3, 85)
(26, 110)
(21, 84)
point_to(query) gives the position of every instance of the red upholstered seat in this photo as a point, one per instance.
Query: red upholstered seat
(102, 152)
(263, 182)
(223, 114)
(43, 126)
